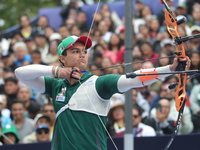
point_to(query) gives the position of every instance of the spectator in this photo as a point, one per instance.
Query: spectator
(103, 27)
(148, 52)
(136, 52)
(1, 75)
(184, 30)
(49, 31)
(104, 44)
(106, 62)
(186, 125)
(63, 31)
(8, 72)
(26, 30)
(34, 109)
(81, 19)
(97, 17)
(74, 30)
(8, 60)
(42, 44)
(21, 53)
(121, 34)
(143, 29)
(154, 29)
(116, 121)
(54, 41)
(146, 11)
(167, 46)
(138, 7)
(24, 125)
(161, 123)
(17, 37)
(194, 43)
(162, 92)
(195, 107)
(97, 71)
(97, 58)
(164, 61)
(24, 94)
(139, 100)
(195, 15)
(117, 48)
(139, 129)
(11, 44)
(104, 52)
(36, 57)
(70, 10)
(48, 110)
(30, 44)
(40, 119)
(148, 92)
(10, 135)
(4, 110)
(42, 24)
(110, 23)
(42, 133)
(4, 119)
(195, 64)
(69, 23)
(137, 62)
(11, 86)
(181, 9)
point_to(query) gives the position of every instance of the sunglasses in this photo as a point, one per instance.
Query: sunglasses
(135, 116)
(40, 131)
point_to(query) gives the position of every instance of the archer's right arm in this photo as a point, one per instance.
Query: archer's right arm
(33, 76)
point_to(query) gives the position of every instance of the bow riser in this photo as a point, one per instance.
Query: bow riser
(180, 93)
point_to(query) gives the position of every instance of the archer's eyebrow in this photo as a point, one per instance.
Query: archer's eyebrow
(75, 48)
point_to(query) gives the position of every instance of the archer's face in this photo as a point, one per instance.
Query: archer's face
(76, 56)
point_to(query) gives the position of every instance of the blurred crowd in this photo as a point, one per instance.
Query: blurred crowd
(28, 116)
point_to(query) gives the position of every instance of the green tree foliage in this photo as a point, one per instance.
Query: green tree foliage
(11, 10)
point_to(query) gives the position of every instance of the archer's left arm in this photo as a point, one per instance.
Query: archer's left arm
(124, 84)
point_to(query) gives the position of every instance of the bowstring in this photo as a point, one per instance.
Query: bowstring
(85, 91)
(92, 22)
(100, 118)
(176, 129)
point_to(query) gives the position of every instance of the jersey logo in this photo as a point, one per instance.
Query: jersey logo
(61, 96)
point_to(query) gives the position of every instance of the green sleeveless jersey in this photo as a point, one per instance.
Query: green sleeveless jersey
(79, 130)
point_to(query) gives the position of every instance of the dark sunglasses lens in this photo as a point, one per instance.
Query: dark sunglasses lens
(43, 130)
(46, 131)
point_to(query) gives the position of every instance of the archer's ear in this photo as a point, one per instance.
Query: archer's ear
(62, 58)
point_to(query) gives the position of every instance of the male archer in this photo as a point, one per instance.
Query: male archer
(81, 100)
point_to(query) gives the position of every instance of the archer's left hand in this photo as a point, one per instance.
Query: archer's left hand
(176, 62)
